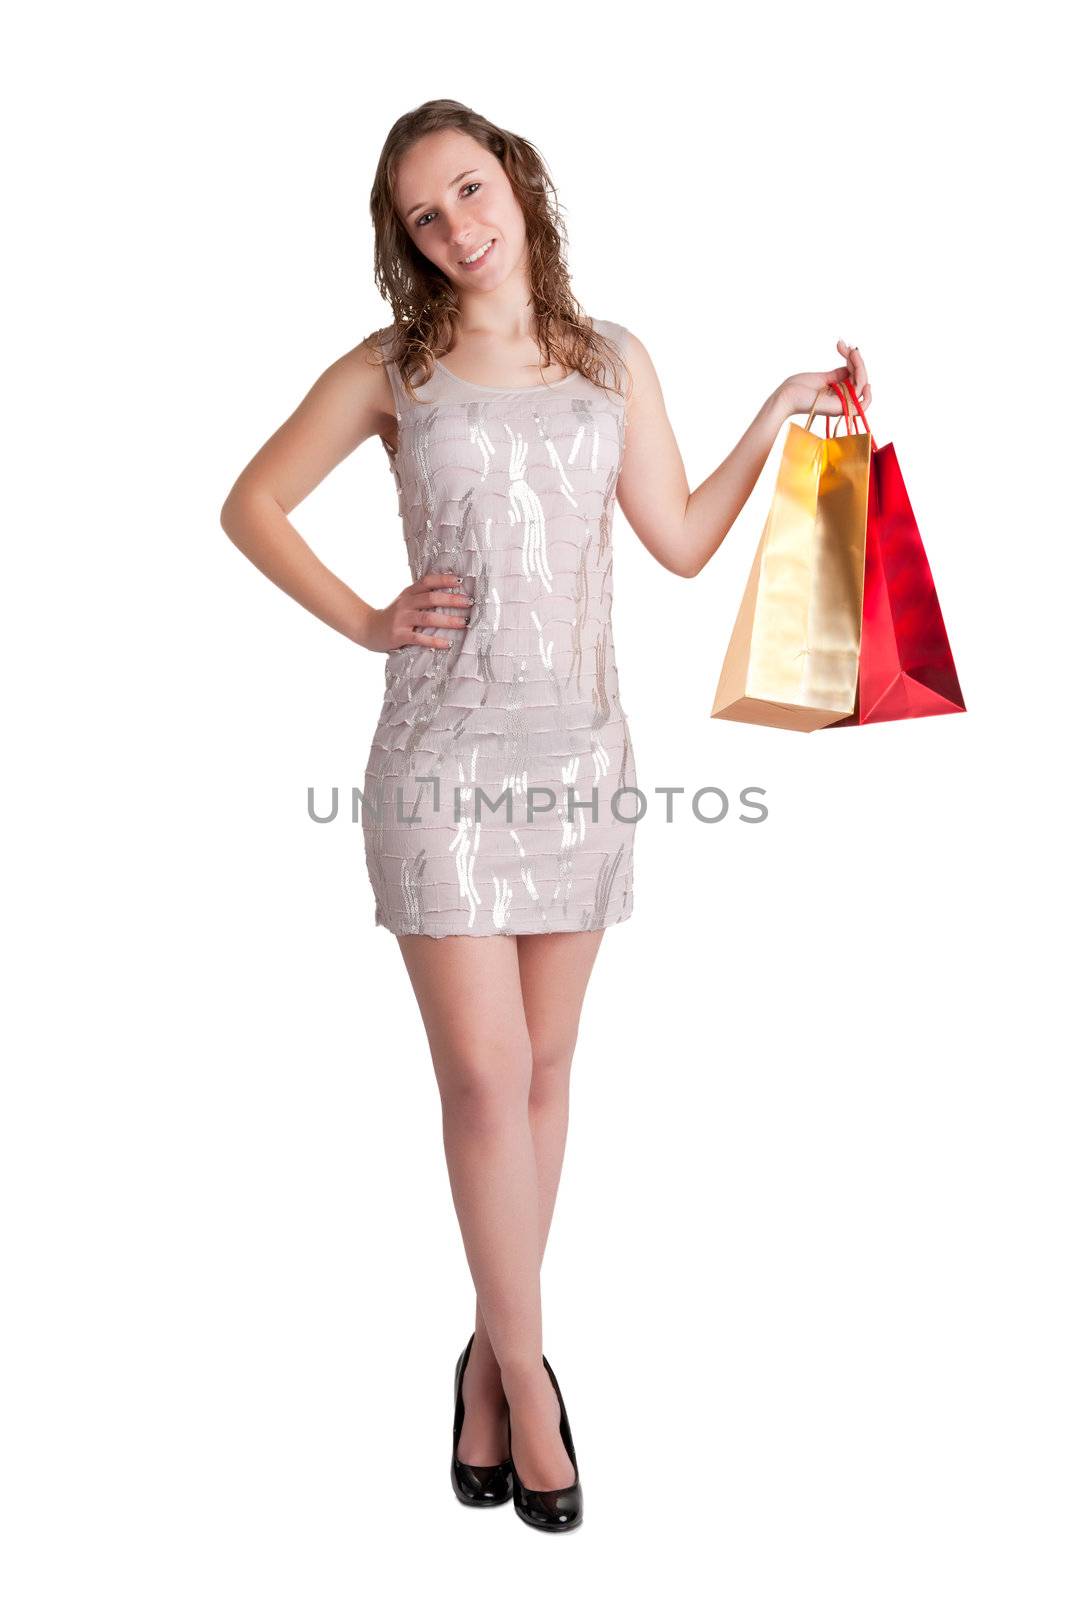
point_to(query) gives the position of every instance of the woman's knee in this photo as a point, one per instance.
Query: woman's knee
(486, 1088)
(550, 1073)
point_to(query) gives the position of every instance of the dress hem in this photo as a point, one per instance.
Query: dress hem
(500, 933)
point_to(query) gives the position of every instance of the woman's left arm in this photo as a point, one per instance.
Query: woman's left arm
(683, 530)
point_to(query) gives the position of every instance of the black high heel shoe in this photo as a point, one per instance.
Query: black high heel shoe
(475, 1486)
(555, 1510)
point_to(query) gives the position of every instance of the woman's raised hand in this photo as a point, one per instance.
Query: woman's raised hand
(801, 389)
(428, 603)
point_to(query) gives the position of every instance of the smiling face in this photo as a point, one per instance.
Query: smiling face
(453, 198)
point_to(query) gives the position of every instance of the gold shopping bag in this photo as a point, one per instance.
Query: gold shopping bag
(793, 657)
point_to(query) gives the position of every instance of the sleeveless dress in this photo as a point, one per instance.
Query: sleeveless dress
(491, 801)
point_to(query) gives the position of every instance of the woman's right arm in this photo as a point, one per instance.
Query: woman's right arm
(345, 406)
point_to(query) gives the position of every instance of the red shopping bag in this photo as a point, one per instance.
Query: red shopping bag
(905, 667)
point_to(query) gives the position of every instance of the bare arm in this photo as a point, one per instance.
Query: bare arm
(683, 529)
(345, 406)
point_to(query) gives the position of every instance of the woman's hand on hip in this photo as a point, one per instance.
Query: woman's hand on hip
(428, 603)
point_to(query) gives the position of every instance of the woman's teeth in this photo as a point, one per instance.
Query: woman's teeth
(479, 255)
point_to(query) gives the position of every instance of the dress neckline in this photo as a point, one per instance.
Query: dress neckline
(522, 388)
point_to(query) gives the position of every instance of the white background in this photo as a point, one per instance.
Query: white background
(804, 1290)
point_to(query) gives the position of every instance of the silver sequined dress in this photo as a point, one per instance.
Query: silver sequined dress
(513, 491)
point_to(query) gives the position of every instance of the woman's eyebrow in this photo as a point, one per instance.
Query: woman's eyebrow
(424, 204)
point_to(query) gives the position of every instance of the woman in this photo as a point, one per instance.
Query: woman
(500, 686)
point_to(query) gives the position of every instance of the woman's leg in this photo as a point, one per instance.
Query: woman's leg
(554, 971)
(470, 995)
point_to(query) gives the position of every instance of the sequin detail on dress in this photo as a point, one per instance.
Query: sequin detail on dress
(488, 794)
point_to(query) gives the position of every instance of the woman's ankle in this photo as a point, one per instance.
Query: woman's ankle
(522, 1379)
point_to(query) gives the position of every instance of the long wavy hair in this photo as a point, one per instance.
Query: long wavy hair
(424, 302)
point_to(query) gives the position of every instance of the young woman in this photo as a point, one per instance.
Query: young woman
(497, 845)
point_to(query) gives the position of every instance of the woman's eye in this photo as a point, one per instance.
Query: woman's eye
(426, 214)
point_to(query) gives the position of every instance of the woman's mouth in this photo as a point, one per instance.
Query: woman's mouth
(480, 257)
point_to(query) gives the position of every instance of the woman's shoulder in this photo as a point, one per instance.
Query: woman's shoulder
(385, 340)
(617, 332)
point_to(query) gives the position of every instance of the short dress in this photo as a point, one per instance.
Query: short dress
(495, 798)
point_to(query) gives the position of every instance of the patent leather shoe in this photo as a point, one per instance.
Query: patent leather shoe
(475, 1486)
(554, 1510)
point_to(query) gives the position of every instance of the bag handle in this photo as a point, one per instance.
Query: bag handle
(846, 412)
(844, 408)
(853, 425)
(861, 411)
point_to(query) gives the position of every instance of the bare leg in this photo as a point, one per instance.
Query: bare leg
(470, 995)
(554, 971)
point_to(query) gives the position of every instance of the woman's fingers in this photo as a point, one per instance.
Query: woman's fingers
(431, 615)
(429, 638)
(443, 618)
(436, 600)
(434, 583)
(431, 602)
(439, 589)
(856, 370)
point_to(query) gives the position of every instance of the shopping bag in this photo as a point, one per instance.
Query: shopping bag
(906, 667)
(793, 656)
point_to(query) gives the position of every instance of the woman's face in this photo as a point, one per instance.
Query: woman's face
(453, 197)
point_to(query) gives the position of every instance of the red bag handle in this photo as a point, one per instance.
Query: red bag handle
(859, 408)
(851, 426)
